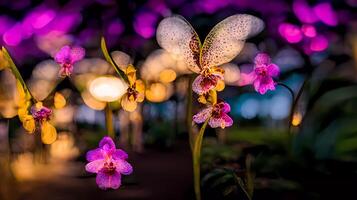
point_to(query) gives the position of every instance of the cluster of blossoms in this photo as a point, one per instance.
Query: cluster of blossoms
(108, 163)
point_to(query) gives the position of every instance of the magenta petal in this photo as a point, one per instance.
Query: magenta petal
(63, 55)
(77, 53)
(95, 154)
(273, 70)
(107, 143)
(264, 84)
(227, 120)
(106, 181)
(262, 59)
(196, 85)
(203, 115)
(216, 122)
(246, 78)
(226, 107)
(123, 167)
(95, 166)
(119, 154)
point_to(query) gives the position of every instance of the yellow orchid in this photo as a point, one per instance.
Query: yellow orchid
(135, 92)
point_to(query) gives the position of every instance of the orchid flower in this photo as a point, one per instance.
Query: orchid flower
(66, 57)
(217, 115)
(262, 75)
(222, 44)
(39, 115)
(108, 163)
(121, 63)
(135, 92)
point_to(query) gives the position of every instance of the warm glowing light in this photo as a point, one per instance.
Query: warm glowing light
(167, 75)
(91, 102)
(296, 119)
(64, 147)
(107, 88)
(59, 101)
(157, 92)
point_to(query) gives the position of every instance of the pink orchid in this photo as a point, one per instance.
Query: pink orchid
(262, 75)
(109, 163)
(66, 57)
(217, 115)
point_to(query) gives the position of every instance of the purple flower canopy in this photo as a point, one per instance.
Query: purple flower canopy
(109, 163)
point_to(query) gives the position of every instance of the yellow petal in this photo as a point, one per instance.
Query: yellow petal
(220, 85)
(59, 100)
(48, 133)
(140, 86)
(202, 99)
(127, 104)
(22, 112)
(38, 105)
(131, 73)
(29, 123)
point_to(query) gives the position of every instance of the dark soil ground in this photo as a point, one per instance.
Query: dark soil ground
(158, 174)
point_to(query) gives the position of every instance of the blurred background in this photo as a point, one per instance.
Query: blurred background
(314, 42)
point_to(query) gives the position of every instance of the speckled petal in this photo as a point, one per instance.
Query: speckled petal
(200, 88)
(176, 35)
(223, 122)
(226, 39)
(262, 85)
(203, 115)
(108, 181)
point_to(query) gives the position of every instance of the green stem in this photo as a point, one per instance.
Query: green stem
(196, 156)
(189, 112)
(109, 121)
(292, 108)
(17, 74)
(111, 60)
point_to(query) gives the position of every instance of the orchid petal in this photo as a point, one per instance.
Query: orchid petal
(63, 55)
(176, 35)
(107, 181)
(226, 39)
(95, 166)
(203, 115)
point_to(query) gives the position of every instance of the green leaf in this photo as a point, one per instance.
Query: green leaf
(17, 74)
(109, 59)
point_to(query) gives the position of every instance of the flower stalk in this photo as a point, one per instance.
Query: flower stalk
(109, 121)
(196, 155)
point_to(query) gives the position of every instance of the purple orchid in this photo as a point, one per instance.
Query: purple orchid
(40, 113)
(109, 163)
(66, 57)
(264, 71)
(217, 115)
(262, 75)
